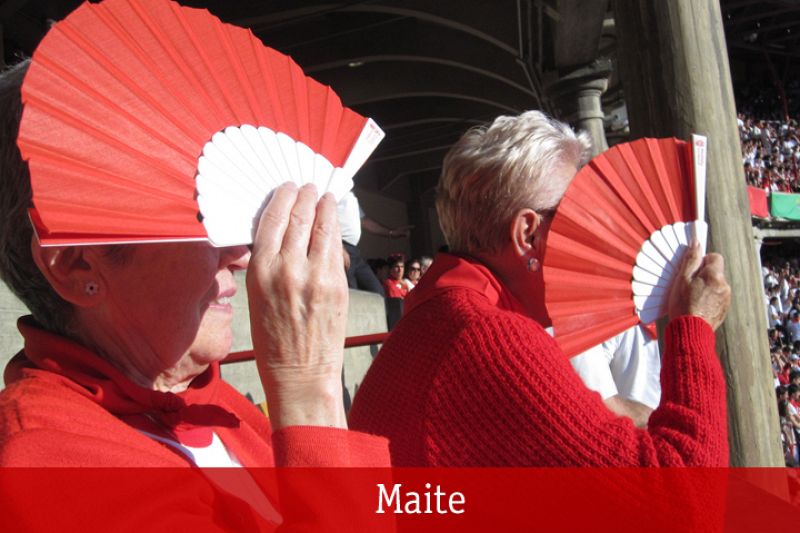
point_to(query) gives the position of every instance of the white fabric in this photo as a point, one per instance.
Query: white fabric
(628, 364)
(774, 315)
(794, 330)
(349, 214)
(215, 455)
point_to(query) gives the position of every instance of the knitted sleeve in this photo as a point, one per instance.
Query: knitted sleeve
(508, 396)
(310, 446)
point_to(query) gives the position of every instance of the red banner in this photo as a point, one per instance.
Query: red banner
(758, 202)
(490, 499)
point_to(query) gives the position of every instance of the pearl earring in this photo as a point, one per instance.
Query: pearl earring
(533, 264)
(92, 288)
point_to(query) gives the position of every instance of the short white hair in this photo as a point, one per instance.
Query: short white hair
(493, 172)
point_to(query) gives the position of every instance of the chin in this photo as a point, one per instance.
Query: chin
(212, 345)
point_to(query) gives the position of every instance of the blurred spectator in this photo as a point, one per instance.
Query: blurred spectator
(394, 285)
(359, 274)
(413, 272)
(425, 263)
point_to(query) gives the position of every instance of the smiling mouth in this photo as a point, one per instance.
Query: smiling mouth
(222, 300)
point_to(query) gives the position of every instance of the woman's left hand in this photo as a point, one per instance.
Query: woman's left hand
(298, 308)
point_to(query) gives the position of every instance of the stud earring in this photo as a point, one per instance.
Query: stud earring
(92, 288)
(533, 264)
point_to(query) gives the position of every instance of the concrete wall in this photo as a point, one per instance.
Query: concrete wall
(390, 213)
(366, 315)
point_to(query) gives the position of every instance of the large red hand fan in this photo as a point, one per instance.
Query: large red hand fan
(148, 121)
(618, 237)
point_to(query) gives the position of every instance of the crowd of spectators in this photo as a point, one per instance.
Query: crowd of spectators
(770, 153)
(770, 138)
(397, 275)
(782, 305)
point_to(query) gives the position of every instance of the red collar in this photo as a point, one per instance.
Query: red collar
(188, 416)
(450, 272)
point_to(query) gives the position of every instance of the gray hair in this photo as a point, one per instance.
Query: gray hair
(17, 267)
(493, 172)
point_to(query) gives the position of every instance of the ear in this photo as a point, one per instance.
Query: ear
(523, 230)
(70, 270)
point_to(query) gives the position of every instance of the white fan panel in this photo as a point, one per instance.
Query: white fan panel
(305, 162)
(651, 279)
(683, 232)
(218, 168)
(644, 262)
(650, 250)
(662, 245)
(700, 228)
(245, 155)
(323, 172)
(672, 240)
(273, 151)
(645, 289)
(241, 166)
(288, 148)
(643, 276)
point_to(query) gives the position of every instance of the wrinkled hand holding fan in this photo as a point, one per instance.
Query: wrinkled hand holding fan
(148, 121)
(618, 237)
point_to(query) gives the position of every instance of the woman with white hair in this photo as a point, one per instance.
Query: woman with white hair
(469, 377)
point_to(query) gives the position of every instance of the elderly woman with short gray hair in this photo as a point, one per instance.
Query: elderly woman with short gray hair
(120, 365)
(469, 377)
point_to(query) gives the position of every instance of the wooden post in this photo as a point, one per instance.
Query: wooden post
(674, 70)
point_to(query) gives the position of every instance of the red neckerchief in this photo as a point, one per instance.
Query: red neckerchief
(187, 417)
(450, 272)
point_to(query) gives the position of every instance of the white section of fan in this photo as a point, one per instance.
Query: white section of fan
(241, 166)
(658, 261)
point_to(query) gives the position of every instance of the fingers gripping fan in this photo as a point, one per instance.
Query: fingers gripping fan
(618, 237)
(147, 121)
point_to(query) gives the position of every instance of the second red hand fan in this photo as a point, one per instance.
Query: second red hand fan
(148, 121)
(618, 236)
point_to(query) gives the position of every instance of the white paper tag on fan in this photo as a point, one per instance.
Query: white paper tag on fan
(240, 167)
(700, 161)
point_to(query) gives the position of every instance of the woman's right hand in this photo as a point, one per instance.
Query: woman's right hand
(700, 288)
(298, 297)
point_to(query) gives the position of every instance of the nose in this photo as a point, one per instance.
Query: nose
(235, 258)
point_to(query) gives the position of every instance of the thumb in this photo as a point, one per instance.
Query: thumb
(692, 260)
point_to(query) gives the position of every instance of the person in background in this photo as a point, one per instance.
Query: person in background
(359, 274)
(625, 370)
(394, 286)
(469, 377)
(413, 271)
(425, 263)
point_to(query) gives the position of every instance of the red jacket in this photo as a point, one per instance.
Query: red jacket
(395, 288)
(465, 379)
(64, 406)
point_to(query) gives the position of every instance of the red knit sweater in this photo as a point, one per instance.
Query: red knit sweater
(466, 380)
(64, 406)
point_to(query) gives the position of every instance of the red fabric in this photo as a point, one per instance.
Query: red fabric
(465, 381)
(64, 406)
(395, 288)
(758, 202)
